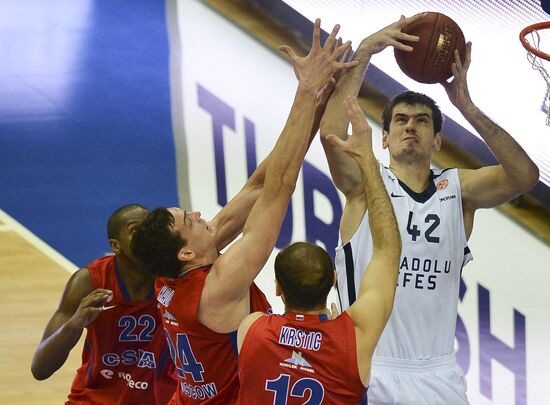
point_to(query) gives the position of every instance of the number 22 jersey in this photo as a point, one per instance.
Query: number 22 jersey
(125, 360)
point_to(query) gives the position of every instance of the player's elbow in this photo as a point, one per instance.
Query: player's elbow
(525, 179)
(39, 373)
(532, 177)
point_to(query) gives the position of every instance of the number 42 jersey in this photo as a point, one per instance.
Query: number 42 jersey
(435, 249)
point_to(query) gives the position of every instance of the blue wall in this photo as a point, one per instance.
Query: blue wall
(85, 122)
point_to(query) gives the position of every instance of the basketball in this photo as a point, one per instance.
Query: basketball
(432, 56)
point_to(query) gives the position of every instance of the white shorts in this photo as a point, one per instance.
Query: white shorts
(438, 381)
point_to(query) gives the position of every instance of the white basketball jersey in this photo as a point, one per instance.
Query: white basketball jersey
(435, 249)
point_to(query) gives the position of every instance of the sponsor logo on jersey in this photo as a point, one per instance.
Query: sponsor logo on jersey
(108, 374)
(395, 195)
(297, 362)
(298, 359)
(422, 273)
(447, 198)
(165, 295)
(442, 185)
(138, 385)
(169, 318)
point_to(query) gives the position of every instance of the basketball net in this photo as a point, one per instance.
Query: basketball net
(536, 63)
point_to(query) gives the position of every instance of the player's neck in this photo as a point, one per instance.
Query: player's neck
(318, 311)
(415, 175)
(137, 282)
(199, 262)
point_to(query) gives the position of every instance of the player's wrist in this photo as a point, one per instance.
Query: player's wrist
(74, 325)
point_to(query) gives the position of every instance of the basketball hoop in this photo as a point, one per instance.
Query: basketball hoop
(534, 56)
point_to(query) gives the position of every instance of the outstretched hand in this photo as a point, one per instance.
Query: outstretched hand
(391, 35)
(359, 144)
(318, 67)
(457, 88)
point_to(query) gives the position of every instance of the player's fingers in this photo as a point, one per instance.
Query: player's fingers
(340, 50)
(316, 44)
(458, 61)
(401, 46)
(353, 110)
(327, 89)
(102, 290)
(348, 65)
(406, 21)
(401, 36)
(331, 38)
(97, 298)
(289, 52)
(337, 43)
(468, 57)
(454, 70)
(346, 54)
(99, 293)
(446, 85)
(334, 310)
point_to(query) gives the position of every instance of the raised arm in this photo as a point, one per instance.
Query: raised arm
(492, 185)
(374, 303)
(375, 300)
(344, 171)
(79, 306)
(233, 272)
(230, 220)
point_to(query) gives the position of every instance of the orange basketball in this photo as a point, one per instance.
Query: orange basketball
(432, 56)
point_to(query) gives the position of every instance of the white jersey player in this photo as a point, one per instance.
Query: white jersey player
(414, 362)
(422, 324)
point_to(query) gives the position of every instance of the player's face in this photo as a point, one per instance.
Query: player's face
(411, 136)
(198, 234)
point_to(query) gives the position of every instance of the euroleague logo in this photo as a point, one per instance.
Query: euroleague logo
(442, 185)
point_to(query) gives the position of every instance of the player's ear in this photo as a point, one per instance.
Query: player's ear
(384, 139)
(185, 254)
(278, 289)
(438, 138)
(115, 246)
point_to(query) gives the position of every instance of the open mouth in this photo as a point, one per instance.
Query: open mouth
(411, 138)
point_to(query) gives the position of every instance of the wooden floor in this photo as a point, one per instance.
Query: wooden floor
(32, 277)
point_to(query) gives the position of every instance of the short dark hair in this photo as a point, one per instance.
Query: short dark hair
(117, 220)
(156, 245)
(412, 98)
(305, 273)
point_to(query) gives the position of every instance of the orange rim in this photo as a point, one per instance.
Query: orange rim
(527, 30)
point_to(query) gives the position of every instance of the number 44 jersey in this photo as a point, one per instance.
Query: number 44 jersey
(435, 249)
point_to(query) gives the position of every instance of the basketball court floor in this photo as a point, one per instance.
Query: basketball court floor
(31, 282)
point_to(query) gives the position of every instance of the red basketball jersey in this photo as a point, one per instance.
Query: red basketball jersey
(296, 359)
(125, 359)
(206, 361)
